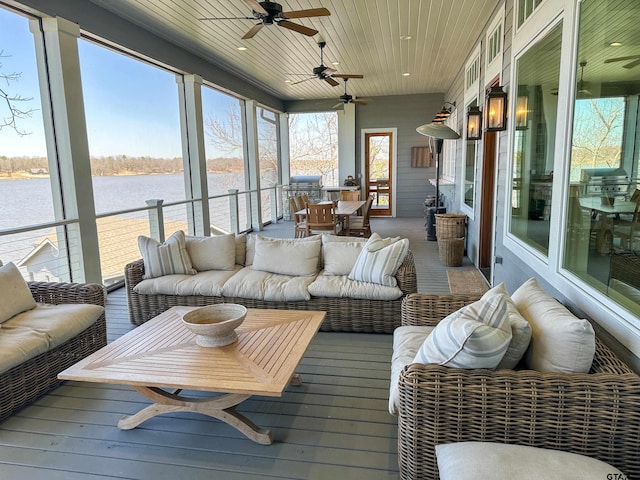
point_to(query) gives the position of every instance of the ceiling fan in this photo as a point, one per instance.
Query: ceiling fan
(634, 63)
(268, 13)
(582, 85)
(346, 98)
(325, 73)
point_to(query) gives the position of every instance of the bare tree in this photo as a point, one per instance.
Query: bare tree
(597, 134)
(313, 140)
(11, 113)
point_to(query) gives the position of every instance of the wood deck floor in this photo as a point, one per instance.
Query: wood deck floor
(334, 426)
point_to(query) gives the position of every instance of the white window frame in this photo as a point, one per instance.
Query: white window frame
(448, 167)
(472, 68)
(493, 65)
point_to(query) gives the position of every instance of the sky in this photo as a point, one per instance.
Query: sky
(131, 107)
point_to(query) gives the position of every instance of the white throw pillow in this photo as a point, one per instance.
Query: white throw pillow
(476, 336)
(340, 257)
(212, 253)
(166, 258)
(520, 330)
(295, 257)
(379, 260)
(15, 296)
(560, 342)
(241, 248)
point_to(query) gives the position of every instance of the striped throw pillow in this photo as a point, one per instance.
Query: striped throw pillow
(166, 258)
(476, 336)
(378, 263)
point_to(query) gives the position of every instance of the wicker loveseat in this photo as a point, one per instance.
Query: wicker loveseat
(34, 377)
(595, 414)
(343, 314)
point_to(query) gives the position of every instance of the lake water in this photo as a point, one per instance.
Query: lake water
(28, 201)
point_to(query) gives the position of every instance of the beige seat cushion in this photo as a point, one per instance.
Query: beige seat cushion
(259, 285)
(208, 283)
(45, 327)
(407, 340)
(340, 286)
(497, 461)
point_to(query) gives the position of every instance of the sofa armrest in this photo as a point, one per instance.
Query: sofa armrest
(427, 310)
(56, 293)
(597, 415)
(406, 275)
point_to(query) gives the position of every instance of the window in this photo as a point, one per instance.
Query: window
(224, 149)
(25, 187)
(473, 73)
(537, 77)
(133, 128)
(493, 48)
(469, 172)
(602, 238)
(526, 9)
(313, 145)
(268, 159)
(449, 150)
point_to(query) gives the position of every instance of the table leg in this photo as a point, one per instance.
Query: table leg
(221, 407)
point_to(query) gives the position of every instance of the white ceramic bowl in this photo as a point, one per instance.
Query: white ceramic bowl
(215, 325)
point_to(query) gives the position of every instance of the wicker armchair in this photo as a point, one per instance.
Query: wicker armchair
(595, 414)
(24, 383)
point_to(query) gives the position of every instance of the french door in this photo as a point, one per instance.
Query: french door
(378, 156)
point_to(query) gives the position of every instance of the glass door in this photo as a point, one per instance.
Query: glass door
(378, 154)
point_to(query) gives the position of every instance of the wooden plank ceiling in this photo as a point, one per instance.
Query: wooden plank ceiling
(364, 36)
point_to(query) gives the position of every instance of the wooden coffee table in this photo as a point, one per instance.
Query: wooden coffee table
(162, 355)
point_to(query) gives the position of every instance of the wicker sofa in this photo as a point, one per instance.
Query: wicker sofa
(25, 382)
(343, 314)
(595, 414)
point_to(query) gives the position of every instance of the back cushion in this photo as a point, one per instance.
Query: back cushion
(295, 257)
(560, 342)
(15, 296)
(212, 253)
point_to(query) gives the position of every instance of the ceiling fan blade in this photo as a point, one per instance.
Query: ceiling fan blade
(337, 105)
(360, 101)
(300, 81)
(296, 27)
(347, 75)
(256, 7)
(311, 12)
(331, 81)
(632, 64)
(329, 71)
(227, 18)
(621, 59)
(252, 32)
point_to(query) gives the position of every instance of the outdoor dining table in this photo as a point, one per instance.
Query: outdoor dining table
(344, 209)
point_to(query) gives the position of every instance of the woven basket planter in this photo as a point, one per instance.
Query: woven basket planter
(451, 251)
(450, 225)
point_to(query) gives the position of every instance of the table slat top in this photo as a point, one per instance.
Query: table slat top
(163, 353)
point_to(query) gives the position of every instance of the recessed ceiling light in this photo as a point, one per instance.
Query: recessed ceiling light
(335, 63)
(287, 81)
(405, 37)
(242, 49)
(615, 44)
(406, 74)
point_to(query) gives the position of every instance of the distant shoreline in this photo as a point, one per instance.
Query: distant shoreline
(28, 176)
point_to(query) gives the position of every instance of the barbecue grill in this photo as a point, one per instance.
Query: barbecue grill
(299, 184)
(605, 182)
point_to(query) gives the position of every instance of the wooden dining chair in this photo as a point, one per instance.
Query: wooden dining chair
(629, 230)
(299, 223)
(321, 217)
(301, 204)
(349, 195)
(359, 224)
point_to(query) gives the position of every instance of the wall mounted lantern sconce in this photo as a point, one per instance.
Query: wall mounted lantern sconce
(474, 123)
(495, 110)
(522, 112)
